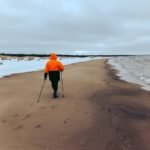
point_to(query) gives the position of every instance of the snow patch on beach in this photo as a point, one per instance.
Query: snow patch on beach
(10, 65)
(134, 69)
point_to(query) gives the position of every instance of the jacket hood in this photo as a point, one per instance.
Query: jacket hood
(53, 56)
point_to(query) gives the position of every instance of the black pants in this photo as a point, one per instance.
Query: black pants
(54, 85)
(54, 77)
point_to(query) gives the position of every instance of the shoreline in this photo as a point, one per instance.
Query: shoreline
(129, 108)
(38, 67)
(116, 71)
(99, 111)
(114, 74)
(136, 73)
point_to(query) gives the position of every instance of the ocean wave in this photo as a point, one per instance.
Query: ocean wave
(134, 69)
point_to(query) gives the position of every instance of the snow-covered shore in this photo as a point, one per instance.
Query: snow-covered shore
(11, 65)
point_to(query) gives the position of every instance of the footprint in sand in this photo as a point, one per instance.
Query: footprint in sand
(76, 103)
(31, 105)
(38, 126)
(66, 121)
(43, 107)
(16, 115)
(4, 121)
(53, 107)
(77, 111)
(27, 116)
(109, 110)
(85, 113)
(19, 127)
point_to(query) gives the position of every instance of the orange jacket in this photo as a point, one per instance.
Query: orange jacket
(53, 64)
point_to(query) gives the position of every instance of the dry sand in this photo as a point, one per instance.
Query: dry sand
(98, 112)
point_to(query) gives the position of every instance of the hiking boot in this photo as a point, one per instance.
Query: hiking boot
(55, 95)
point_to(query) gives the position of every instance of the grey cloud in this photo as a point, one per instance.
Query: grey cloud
(89, 25)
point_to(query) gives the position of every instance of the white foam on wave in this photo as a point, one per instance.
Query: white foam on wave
(134, 69)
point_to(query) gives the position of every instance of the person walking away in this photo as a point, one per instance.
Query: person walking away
(53, 68)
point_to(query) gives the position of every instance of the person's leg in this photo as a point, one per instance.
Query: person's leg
(55, 87)
(54, 78)
(52, 84)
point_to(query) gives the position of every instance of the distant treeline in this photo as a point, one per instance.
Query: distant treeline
(62, 55)
(39, 55)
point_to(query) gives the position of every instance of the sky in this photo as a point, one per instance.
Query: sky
(75, 26)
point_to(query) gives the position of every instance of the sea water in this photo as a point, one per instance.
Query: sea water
(134, 69)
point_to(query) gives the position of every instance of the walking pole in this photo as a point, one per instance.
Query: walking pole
(62, 85)
(41, 91)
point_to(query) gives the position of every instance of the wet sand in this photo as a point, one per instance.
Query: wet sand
(98, 112)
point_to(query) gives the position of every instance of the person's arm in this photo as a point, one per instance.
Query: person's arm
(61, 67)
(45, 72)
(45, 76)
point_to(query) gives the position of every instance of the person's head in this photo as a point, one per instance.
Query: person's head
(53, 56)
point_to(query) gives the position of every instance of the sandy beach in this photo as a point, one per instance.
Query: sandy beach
(98, 112)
